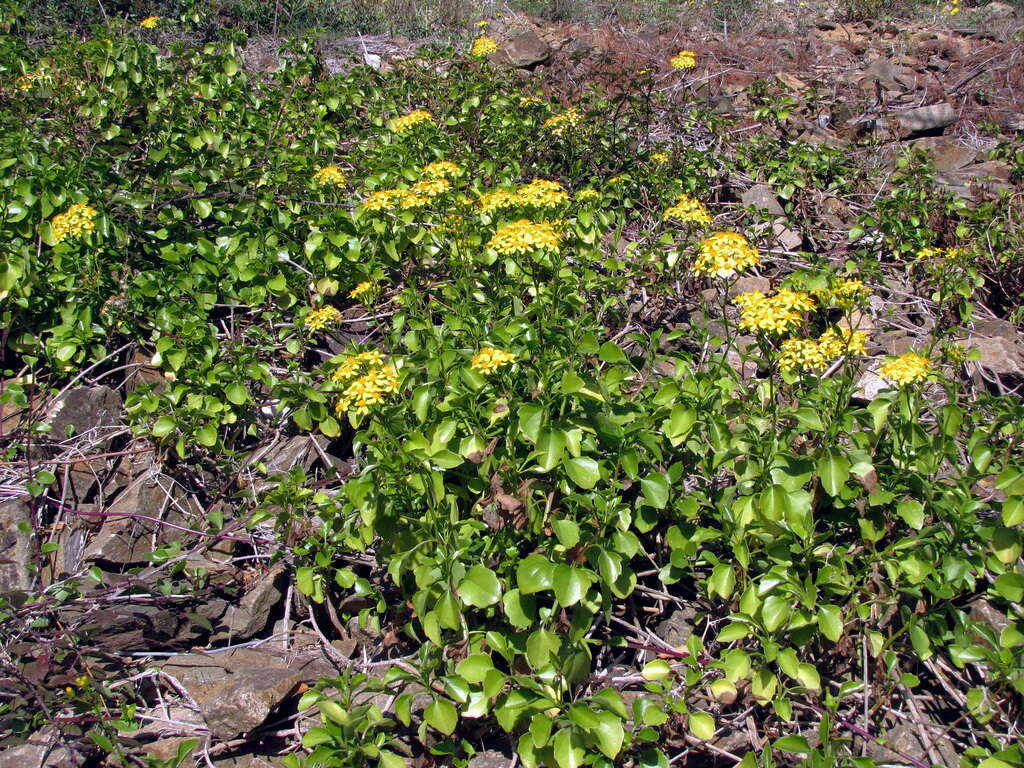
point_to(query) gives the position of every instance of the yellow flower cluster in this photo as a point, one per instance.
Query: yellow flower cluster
(430, 187)
(149, 22)
(725, 254)
(660, 158)
(906, 369)
(411, 120)
(489, 359)
(542, 193)
(329, 174)
(953, 8)
(364, 290)
(816, 354)
(559, 125)
(587, 194)
(524, 236)
(30, 78)
(530, 101)
(369, 390)
(356, 364)
(539, 193)
(772, 314)
(74, 222)
(845, 293)
(323, 317)
(689, 209)
(442, 169)
(390, 199)
(684, 60)
(483, 46)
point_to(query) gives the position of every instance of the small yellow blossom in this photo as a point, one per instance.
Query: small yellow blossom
(430, 187)
(725, 254)
(846, 293)
(321, 318)
(489, 359)
(390, 199)
(483, 47)
(559, 125)
(525, 236)
(356, 364)
(442, 169)
(587, 194)
(530, 101)
(616, 181)
(149, 22)
(684, 60)
(908, 368)
(369, 390)
(363, 291)
(497, 200)
(329, 174)
(801, 354)
(542, 193)
(772, 314)
(483, 23)
(689, 209)
(837, 342)
(411, 120)
(660, 158)
(74, 222)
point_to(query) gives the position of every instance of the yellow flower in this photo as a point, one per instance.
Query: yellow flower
(524, 236)
(442, 170)
(497, 200)
(689, 209)
(430, 187)
(837, 342)
(587, 194)
(489, 359)
(660, 158)
(725, 254)
(567, 121)
(908, 368)
(369, 390)
(801, 354)
(845, 293)
(390, 199)
(364, 290)
(530, 101)
(684, 60)
(74, 222)
(772, 314)
(542, 193)
(149, 22)
(411, 120)
(483, 23)
(617, 180)
(356, 364)
(323, 317)
(482, 47)
(330, 174)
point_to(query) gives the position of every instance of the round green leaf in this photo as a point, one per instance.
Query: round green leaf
(480, 587)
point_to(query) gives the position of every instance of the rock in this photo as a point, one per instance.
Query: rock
(983, 612)
(947, 156)
(372, 60)
(789, 239)
(126, 540)
(749, 283)
(490, 758)
(677, 628)
(904, 739)
(931, 118)
(894, 342)
(525, 50)
(869, 386)
(999, 12)
(15, 546)
(1001, 355)
(1013, 122)
(250, 616)
(168, 750)
(42, 750)
(93, 413)
(761, 198)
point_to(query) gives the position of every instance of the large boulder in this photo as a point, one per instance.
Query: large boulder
(525, 50)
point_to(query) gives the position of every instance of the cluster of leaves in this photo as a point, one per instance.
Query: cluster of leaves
(519, 513)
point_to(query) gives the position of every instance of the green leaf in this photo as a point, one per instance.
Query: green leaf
(567, 749)
(567, 531)
(549, 448)
(206, 435)
(534, 574)
(610, 352)
(830, 621)
(797, 744)
(1010, 586)
(912, 512)
(474, 668)
(441, 715)
(702, 725)
(657, 669)
(834, 471)
(722, 581)
(569, 584)
(480, 587)
(163, 426)
(202, 207)
(775, 503)
(655, 489)
(776, 611)
(583, 471)
(609, 734)
(388, 759)
(236, 393)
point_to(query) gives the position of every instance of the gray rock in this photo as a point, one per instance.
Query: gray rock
(250, 616)
(490, 758)
(525, 50)
(15, 546)
(999, 12)
(869, 385)
(788, 238)
(1001, 355)
(90, 412)
(749, 283)
(928, 118)
(904, 739)
(677, 628)
(983, 612)
(42, 750)
(761, 198)
(372, 60)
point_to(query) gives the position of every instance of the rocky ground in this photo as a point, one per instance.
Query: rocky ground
(221, 644)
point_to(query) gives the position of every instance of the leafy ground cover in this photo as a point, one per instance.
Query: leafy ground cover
(605, 460)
